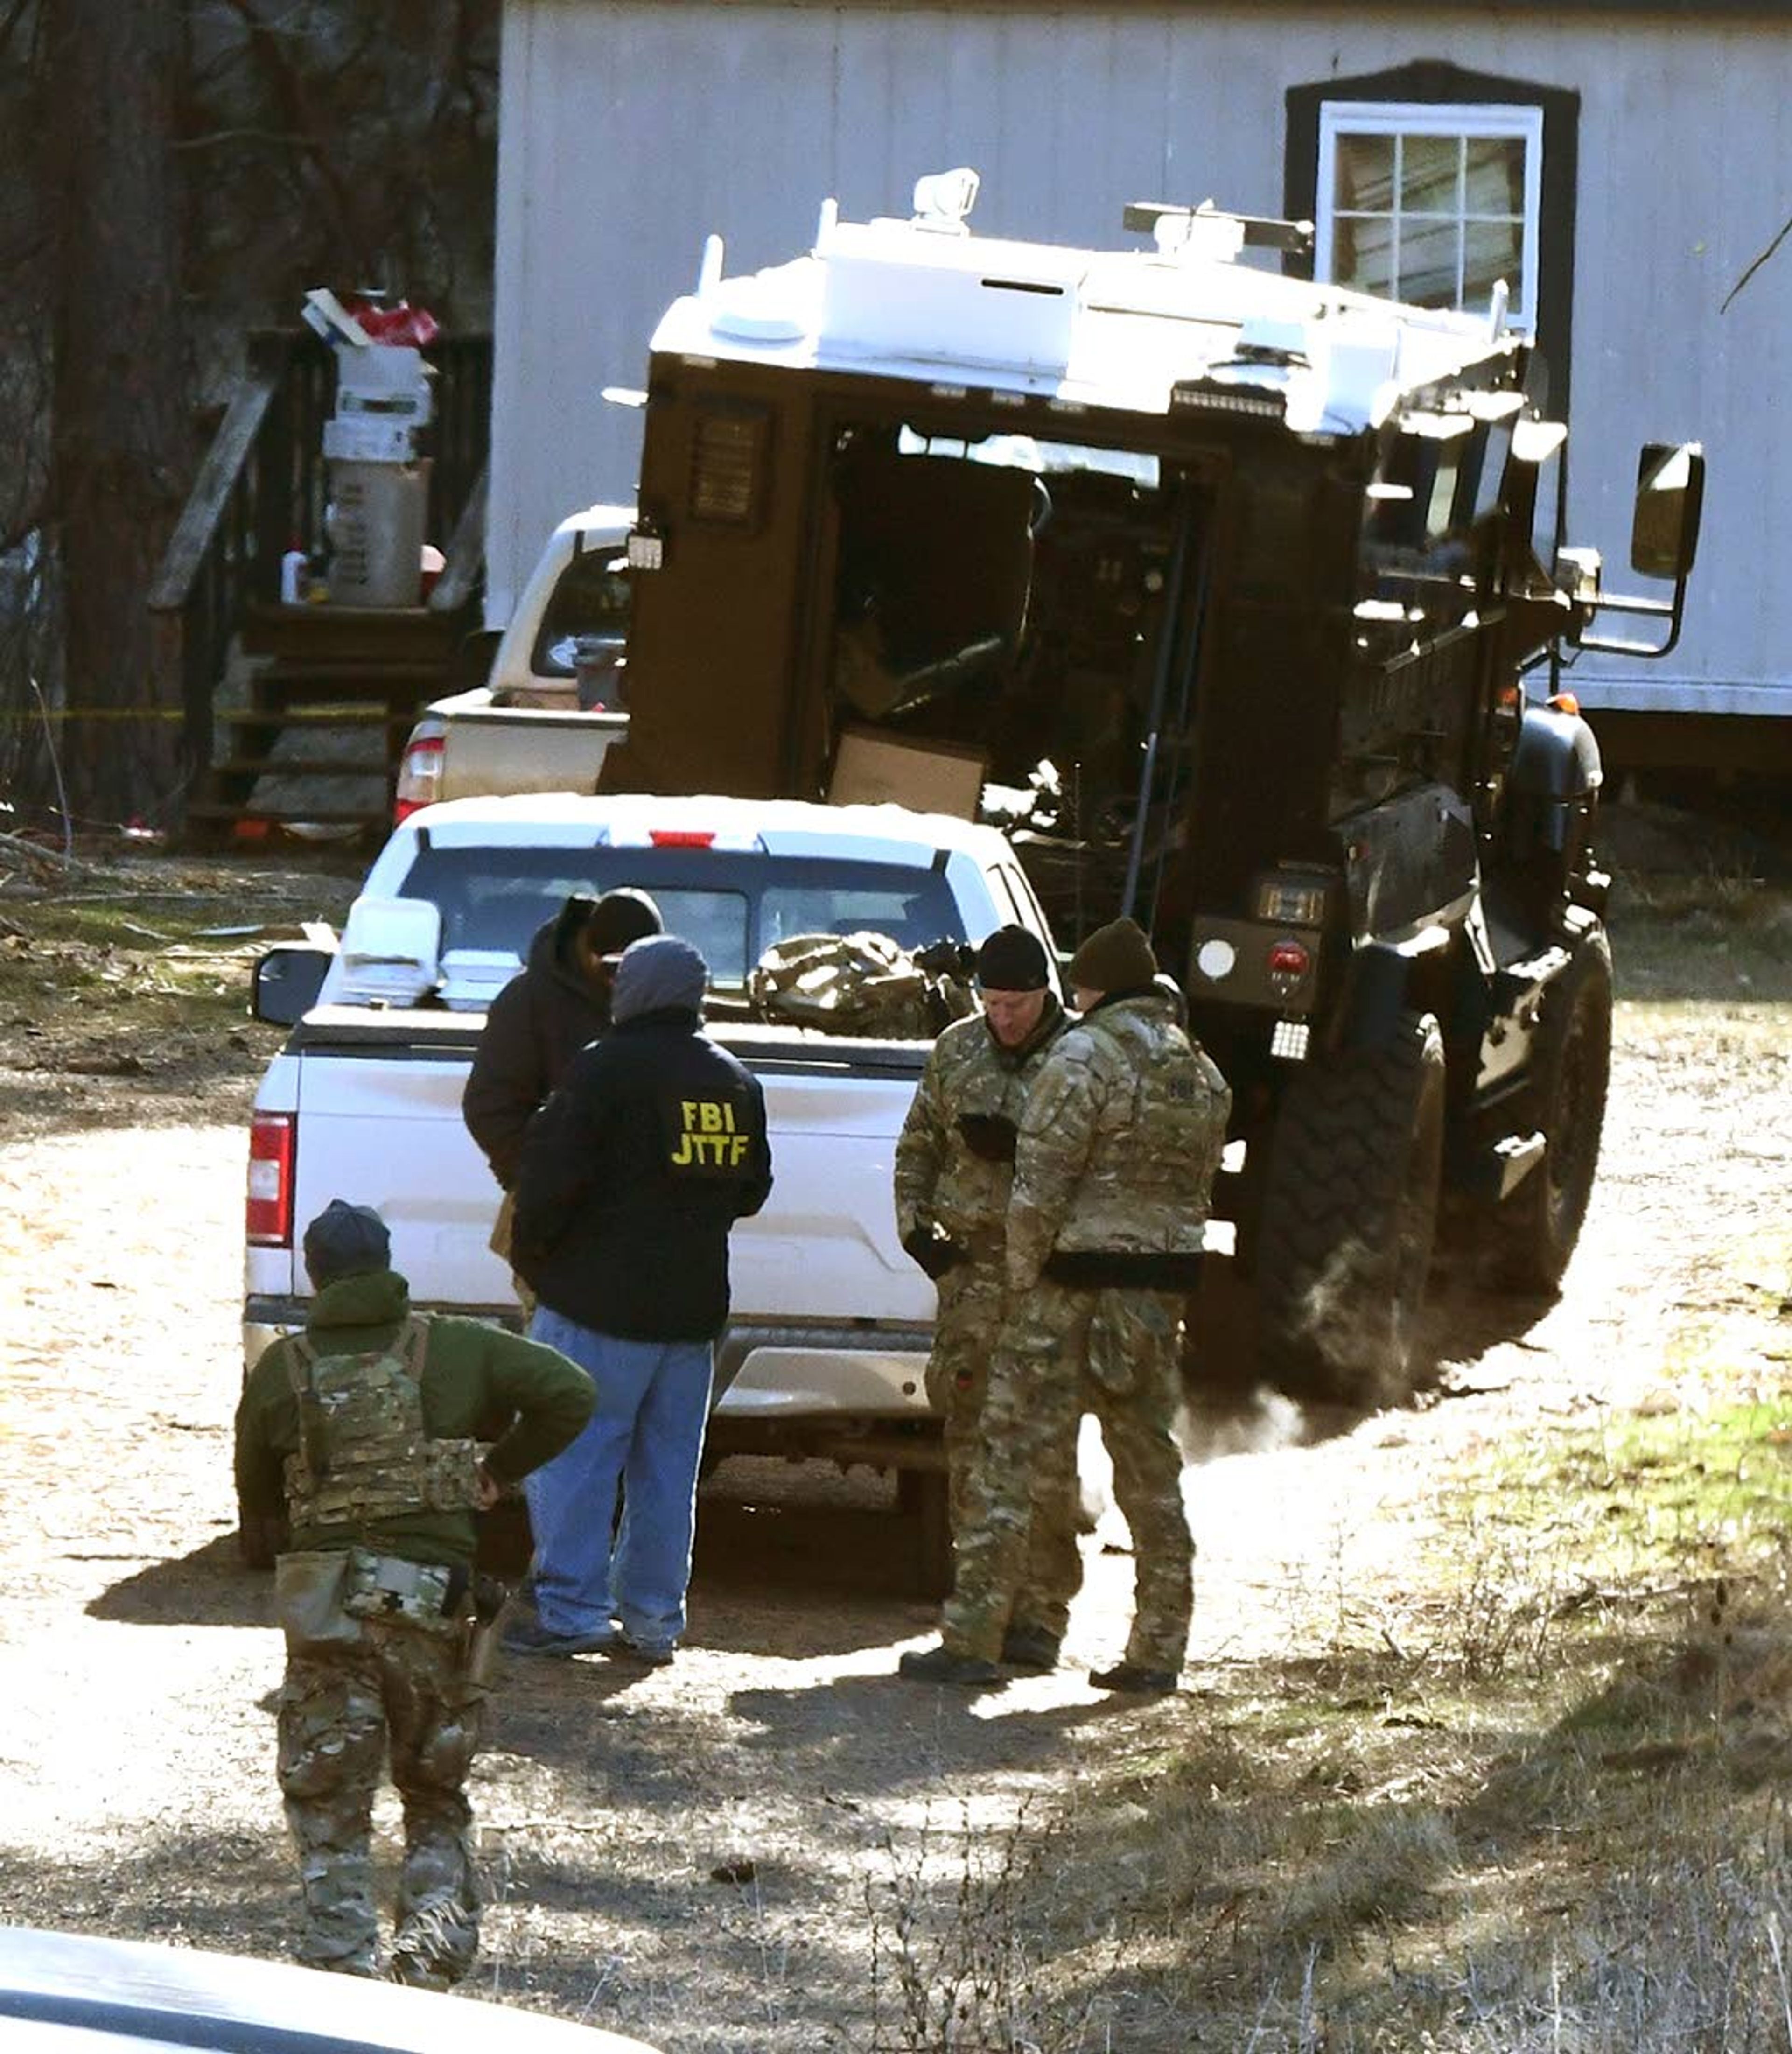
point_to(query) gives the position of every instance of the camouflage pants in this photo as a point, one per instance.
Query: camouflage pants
(1066, 1352)
(403, 1688)
(965, 1330)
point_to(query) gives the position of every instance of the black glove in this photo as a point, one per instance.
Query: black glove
(990, 1136)
(946, 958)
(933, 1250)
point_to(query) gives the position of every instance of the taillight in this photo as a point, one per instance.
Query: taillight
(420, 779)
(682, 837)
(271, 1139)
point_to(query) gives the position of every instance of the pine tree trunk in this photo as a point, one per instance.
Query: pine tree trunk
(118, 433)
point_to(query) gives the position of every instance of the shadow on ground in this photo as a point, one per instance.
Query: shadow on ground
(209, 1587)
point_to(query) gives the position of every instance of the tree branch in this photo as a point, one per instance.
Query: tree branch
(271, 136)
(1755, 266)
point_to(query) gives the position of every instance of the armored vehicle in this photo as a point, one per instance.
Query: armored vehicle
(1223, 587)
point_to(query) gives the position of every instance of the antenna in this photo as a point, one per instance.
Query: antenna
(709, 274)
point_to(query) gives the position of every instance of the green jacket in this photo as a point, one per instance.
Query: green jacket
(938, 1179)
(478, 1383)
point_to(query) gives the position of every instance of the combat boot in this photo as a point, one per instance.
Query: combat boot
(1140, 1681)
(940, 1665)
(1030, 1647)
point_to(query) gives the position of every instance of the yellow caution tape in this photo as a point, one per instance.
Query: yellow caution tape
(36, 717)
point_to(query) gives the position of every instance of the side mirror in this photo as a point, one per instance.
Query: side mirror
(286, 981)
(1670, 497)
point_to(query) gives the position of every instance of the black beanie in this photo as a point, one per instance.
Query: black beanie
(345, 1239)
(1011, 959)
(620, 917)
(1116, 958)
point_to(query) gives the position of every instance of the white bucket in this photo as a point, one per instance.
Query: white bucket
(375, 530)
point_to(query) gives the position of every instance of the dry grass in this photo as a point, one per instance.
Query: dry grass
(1538, 1804)
(139, 967)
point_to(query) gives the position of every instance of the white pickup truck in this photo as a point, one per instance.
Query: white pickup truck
(825, 1348)
(553, 701)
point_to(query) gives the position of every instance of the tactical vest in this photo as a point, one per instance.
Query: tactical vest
(362, 1452)
(1145, 1174)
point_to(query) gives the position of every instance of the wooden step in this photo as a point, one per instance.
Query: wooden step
(390, 692)
(351, 671)
(221, 809)
(302, 766)
(352, 713)
(326, 713)
(351, 633)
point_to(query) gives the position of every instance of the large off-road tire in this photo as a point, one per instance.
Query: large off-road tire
(1350, 1219)
(1536, 1229)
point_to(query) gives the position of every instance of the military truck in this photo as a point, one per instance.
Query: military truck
(1223, 587)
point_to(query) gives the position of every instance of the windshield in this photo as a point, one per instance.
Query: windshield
(731, 904)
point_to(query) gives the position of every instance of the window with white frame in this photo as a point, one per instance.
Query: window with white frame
(1432, 204)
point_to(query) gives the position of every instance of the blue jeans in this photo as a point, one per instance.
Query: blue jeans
(647, 1431)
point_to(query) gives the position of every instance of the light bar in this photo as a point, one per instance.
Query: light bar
(1271, 407)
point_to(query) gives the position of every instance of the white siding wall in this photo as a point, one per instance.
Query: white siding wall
(631, 129)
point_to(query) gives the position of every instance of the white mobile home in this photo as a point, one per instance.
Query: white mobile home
(1620, 167)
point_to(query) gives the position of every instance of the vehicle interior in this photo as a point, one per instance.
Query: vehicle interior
(1041, 602)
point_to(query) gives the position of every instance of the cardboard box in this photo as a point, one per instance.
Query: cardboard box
(872, 768)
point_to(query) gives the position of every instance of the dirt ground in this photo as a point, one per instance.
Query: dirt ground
(686, 1854)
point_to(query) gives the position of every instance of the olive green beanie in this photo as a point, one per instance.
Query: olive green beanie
(1116, 958)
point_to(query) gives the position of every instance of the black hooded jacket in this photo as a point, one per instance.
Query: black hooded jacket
(536, 1026)
(631, 1176)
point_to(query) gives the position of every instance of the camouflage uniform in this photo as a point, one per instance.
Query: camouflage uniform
(1114, 1169)
(385, 1649)
(404, 1686)
(377, 1652)
(941, 1181)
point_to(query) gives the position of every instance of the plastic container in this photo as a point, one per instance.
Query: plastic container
(376, 524)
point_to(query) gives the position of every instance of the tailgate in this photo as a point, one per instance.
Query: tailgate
(496, 750)
(825, 1247)
(386, 1132)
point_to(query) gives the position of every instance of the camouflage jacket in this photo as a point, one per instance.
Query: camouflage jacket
(1119, 1147)
(939, 1178)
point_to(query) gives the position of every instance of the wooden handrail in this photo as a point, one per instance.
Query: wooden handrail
(466, 553)
(173, 583)
(262, 487)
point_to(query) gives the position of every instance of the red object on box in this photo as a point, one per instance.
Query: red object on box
(415, 327)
